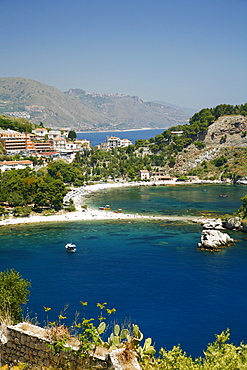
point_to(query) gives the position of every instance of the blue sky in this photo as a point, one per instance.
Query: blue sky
(191, 53)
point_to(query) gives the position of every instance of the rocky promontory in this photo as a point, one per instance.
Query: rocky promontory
(212, 239)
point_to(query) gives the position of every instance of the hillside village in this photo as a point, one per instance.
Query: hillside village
(217, 150)
(48, 144)
(39, 165)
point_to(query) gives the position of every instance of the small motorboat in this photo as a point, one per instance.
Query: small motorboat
(107, 207)
(118, 211)
(70, 247)
(223, 195)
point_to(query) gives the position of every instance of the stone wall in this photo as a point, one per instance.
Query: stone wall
(26, 343)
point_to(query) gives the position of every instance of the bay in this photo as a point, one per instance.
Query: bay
(97, 138)
(150, 271)
(173, 200)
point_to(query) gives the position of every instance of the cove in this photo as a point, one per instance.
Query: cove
(150, 271)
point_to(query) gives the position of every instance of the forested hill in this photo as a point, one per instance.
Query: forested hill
(81, 110)
(199, 124)
(16, 124)
(213, 145)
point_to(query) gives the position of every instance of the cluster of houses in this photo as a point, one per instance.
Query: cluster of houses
(41, 141)
(47, 144)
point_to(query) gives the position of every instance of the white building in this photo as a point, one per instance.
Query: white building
(144, 174)
(17, 165)
(53, 134)
(59, 144)
(125, 143)
(64, 132)
(71, 146)
(115, 142)
(40, 131)
(177, 133)
(82, 143)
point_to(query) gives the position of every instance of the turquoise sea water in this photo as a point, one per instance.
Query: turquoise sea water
(150, 271)
(184, 199)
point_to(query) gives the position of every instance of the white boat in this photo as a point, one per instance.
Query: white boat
(70, 247)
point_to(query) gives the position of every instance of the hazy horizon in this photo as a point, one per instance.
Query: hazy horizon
(190, 54)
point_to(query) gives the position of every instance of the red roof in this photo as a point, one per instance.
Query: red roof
(15, 162)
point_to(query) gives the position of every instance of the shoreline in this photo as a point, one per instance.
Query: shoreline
(90, 214)
(132, 129)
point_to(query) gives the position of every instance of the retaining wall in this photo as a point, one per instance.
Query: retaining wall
(26, 343)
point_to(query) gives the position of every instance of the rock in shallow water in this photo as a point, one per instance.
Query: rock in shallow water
(214, 240)
(212, 223)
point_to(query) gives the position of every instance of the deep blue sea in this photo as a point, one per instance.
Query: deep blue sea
(97, 138)
(150, 271)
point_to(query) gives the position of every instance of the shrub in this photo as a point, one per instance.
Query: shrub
(14, 291)
(22, 211)
(199, 144)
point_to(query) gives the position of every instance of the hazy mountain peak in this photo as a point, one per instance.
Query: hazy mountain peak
(83, 110)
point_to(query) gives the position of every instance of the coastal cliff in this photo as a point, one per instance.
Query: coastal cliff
(223, 152)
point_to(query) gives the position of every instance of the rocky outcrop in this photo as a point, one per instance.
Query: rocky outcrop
(212, 223)
(214, 240)
(232, 223)
(227, 131)
(211, 238)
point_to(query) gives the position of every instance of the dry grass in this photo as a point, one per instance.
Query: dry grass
(5, 317)
(58, 332)
(127, 357)
(61, 332)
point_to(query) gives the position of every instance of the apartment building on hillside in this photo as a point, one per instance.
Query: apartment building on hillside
(114, 142)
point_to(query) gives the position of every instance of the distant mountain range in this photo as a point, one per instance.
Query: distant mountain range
(81, 110)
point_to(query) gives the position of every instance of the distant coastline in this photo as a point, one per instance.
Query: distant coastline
(131, 129)
(98, 137)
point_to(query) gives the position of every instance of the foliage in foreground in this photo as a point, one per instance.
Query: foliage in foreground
(92, 334)
(14, 292)
(219, 355)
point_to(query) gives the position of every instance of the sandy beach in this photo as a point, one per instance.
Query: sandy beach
(89, 214)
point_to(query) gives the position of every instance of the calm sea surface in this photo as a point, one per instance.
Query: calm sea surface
(150, 271)
(99, 137)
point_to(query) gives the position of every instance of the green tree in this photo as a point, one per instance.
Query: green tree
(16, 199)
(14, 292)
(242, 211)
(218, 162)
(22, 211)
(72, 135)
